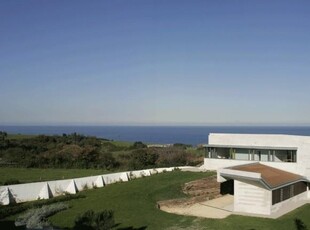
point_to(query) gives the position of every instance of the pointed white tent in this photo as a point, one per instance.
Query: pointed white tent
(71, 188)
(45, 192)
(99, 182)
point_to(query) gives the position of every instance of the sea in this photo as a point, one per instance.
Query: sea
(192, 135)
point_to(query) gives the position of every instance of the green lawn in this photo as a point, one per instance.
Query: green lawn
(134, 204)
(25, 175)
(19, 136)
(121, 143)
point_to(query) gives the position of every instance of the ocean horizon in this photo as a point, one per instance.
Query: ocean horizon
(192, 135)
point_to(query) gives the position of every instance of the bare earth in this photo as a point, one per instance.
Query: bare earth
(205, 201)
(218, 208)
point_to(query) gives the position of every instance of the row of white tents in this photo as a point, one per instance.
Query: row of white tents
(44, 190)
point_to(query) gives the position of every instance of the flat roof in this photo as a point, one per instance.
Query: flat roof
(249, 147)
(273, 177)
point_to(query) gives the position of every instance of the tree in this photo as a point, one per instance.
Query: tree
(4, 143)
(139, 145)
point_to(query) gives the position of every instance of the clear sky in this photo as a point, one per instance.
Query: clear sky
(154, 62)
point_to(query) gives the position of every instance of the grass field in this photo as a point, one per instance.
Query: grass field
(19, 136)
(134, 204)
(25, 175)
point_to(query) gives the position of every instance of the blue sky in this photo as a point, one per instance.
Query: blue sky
(154, 62)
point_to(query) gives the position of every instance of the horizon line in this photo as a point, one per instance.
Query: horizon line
(155, 124)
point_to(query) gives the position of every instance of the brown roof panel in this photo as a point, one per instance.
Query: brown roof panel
(272, 176)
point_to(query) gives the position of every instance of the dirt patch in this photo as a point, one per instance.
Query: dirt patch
(204, 200)
(199, 191)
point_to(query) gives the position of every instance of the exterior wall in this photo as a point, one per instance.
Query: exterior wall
(251, 199)
(290, 204)
(302, 166)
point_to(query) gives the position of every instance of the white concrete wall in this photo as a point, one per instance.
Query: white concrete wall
(302, 143)
(44, 190)
(251, 199)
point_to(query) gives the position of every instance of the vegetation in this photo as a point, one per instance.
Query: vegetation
(300, 225)
(37, 218)
(133, 209)
(136, 208)
(9, 175)
(14, 209)
(89, 220)
(79, 151)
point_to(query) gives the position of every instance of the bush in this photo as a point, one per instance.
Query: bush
(36, 218)
(13, 209)
(174, 156)
(181, 146)
(141, 158)
(107, 161)
(90, 220)
(300, 225)
(138, 145)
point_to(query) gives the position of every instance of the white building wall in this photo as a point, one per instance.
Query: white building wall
(302, 143)
(251, 199)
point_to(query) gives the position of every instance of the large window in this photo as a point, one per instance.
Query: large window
(287, 192)
(267, 155)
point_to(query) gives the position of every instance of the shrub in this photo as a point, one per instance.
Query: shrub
(181, 146)
(172, 156)
(141, 158)
(300, 225)
(13, 209)
(138, 145)
(90, 220)
(36, 218)
(106, 160)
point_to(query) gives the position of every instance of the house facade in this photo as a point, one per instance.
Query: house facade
(268, 175)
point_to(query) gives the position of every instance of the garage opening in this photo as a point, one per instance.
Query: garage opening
(227, 187)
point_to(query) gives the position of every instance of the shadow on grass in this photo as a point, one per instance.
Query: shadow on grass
(90, 228)
(8, 225)
(128, 228)
(132, 228)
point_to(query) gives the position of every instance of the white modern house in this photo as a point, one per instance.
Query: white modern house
(268, 175)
